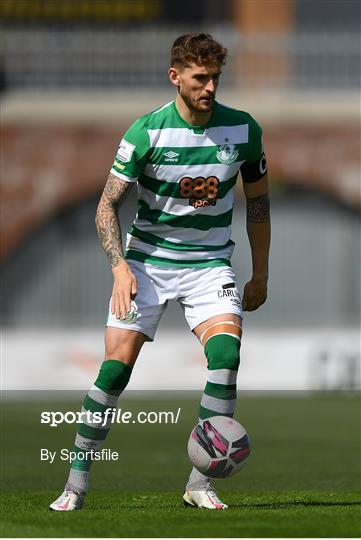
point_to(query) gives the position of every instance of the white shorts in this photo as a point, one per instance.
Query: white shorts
(202, 293)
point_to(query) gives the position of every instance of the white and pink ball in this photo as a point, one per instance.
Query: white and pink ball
(218, 446)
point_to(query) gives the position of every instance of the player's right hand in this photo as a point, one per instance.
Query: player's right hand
(124, 289)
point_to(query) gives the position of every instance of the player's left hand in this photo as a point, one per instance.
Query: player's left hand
(254, 294)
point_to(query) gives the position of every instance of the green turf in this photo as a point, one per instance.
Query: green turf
(302, 479)
(111, 514)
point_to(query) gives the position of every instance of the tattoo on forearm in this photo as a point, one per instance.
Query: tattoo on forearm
(258, 209)
(107, 221)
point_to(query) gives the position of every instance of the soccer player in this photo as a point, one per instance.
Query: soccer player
(185, 158)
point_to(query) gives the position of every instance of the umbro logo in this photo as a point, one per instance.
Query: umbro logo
(171, 156)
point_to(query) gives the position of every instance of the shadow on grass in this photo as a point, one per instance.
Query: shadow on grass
(294, 504)
(137, 505)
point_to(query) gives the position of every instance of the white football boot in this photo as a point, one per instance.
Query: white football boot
(69, 500)
(205, 498)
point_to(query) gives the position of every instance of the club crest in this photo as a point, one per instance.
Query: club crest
(227, 153)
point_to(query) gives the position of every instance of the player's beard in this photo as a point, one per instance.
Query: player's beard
(198, 105)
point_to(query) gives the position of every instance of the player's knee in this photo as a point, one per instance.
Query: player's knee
(223, 352)
(121, 354)
(122, 346)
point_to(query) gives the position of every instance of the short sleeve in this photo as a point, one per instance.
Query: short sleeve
(132, 153)
(255, 165)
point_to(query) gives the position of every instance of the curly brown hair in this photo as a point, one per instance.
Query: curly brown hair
(197, 48)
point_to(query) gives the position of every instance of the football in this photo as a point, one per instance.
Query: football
(218, 446)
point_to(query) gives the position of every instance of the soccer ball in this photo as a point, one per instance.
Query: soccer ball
(218, 446)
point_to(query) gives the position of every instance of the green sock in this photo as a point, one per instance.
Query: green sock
(220, 393)
(112, 379)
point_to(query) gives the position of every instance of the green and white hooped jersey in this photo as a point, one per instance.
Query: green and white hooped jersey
(186, 183)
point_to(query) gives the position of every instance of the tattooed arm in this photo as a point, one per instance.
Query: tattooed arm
(259, 235)
(107, 222)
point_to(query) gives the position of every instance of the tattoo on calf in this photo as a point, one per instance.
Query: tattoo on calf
(107, 221)
(258, 209)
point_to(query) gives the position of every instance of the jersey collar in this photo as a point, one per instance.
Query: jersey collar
(197, 130)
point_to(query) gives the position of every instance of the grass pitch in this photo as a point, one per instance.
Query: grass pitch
(303, 478)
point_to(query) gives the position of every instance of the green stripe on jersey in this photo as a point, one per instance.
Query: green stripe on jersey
(162, 261)
(202, 222)
(154, 240)
(172, 189)
(169, 117)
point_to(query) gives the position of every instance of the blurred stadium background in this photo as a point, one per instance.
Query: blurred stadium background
(73, 76)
